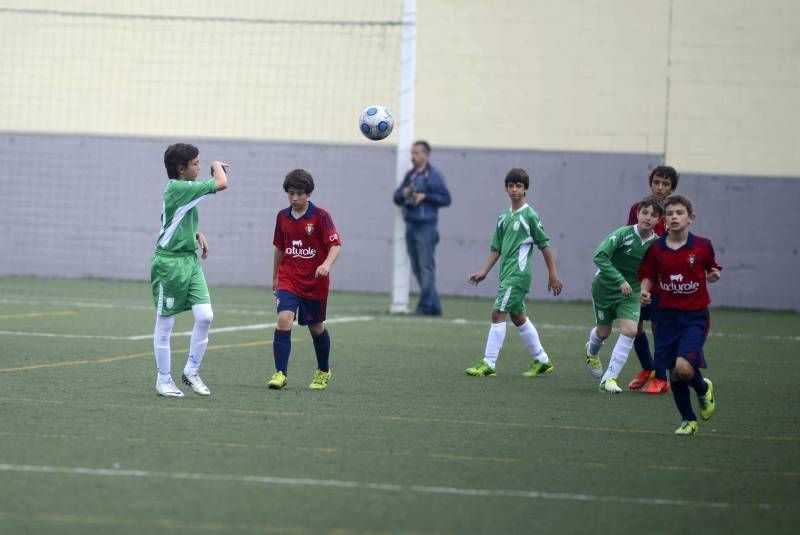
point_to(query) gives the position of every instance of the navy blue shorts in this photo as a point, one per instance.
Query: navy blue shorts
(647, 312)
(681, 333)
(307, 311)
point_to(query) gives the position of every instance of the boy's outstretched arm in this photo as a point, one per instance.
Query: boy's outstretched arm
(325, 268)
(475, 278)
(554, 284)
(218, 171)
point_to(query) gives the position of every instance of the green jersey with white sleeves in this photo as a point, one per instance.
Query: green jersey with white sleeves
(618, 258)
(514, 236)
(179, 215)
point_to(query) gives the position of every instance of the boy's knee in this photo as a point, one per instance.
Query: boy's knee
(519, 319)
(285, 320)
(316, 329)
(683, 370)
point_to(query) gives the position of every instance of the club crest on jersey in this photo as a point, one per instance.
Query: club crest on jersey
(170, 302)
(309, 228)
(691, 260)
(516, 225)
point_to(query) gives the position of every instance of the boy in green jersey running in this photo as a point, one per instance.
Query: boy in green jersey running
(615, 291)
(175, 274)
(517, 230)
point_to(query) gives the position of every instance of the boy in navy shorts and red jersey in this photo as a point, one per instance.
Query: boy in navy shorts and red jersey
(679, 265)
(663, 181)
(306, 246)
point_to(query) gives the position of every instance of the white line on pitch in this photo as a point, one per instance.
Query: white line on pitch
(585, 328)
(388, 487)
(236, 328)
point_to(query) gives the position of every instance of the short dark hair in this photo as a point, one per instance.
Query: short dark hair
(679, 199)
(299, 179)
(424, 144)
(518, 176)
(653, 202)
(665, 171)
(177, 155)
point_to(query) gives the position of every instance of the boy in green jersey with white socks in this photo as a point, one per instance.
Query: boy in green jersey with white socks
(517, 230)
(615, 291)
(175, 274)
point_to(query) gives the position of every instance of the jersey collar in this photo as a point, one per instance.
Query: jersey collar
(310, 212)
(521, 208)
(662, 242)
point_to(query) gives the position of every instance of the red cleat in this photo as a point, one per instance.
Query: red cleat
(656, 386)
(641, 378)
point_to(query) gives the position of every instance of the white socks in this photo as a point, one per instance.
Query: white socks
(163, 331)
(197, 346)
(497, 333)
(203, 316)
(595, 343)
(618, 357)
(530, 337)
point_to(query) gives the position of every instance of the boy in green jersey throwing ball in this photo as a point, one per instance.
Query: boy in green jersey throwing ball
(517, 230)
(615, 291)
(175, 273)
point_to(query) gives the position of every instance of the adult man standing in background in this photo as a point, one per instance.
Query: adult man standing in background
(421, 194)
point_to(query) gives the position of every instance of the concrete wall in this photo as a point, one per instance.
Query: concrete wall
(78, 206)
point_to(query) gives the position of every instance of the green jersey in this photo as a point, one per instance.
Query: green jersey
(179, 215)
(618, 258)
(513, 238)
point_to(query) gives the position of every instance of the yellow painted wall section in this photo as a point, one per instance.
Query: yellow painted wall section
(711, 84)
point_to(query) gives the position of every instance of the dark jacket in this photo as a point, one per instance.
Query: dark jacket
(432, 184)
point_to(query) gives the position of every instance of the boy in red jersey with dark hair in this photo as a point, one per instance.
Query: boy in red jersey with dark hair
(306, 246)
(679, 265)
(663, 182)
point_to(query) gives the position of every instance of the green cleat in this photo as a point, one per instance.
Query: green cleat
(481, 369)
(320, 381)
(277, 381)
(610, 385)
(707, 404)
(594, 366)
(687, 428)
(538, 369)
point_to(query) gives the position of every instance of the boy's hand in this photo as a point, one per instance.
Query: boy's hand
(713, 275)
(322, 271)
(225, 166)
(418, 198)
(645, 298)
(554, 284)
(475, 278)
(202, 242)
(626, 289)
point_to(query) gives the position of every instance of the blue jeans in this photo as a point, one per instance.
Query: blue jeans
(421, 240)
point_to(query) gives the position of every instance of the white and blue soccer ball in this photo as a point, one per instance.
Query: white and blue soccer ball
(376, 122)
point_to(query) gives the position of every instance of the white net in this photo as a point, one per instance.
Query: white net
(299, 71)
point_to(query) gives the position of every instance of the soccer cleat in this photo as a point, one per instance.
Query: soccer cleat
(320, 381)
(481, 369)
(610, 385)
(707, 404)
(193, 380)
(277, 381)
(538, 369)
(656, 386)
(168, 389)
(641, 379)
(687, 428)
(593, 364)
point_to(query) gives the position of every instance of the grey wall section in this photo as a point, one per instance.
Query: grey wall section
(85, 206)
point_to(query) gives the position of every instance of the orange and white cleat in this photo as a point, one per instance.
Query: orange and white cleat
(656, 386)
(641, 378)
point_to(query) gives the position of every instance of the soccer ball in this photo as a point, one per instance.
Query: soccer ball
(376, 122)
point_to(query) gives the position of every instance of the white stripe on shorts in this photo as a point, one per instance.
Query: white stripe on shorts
(504, 302)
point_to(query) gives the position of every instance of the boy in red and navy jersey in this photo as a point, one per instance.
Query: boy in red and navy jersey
(663, 181)
(306, 246)
(678, 266)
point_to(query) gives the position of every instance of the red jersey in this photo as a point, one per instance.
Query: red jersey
(679, 275)
(633, 217)
(305, 243)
